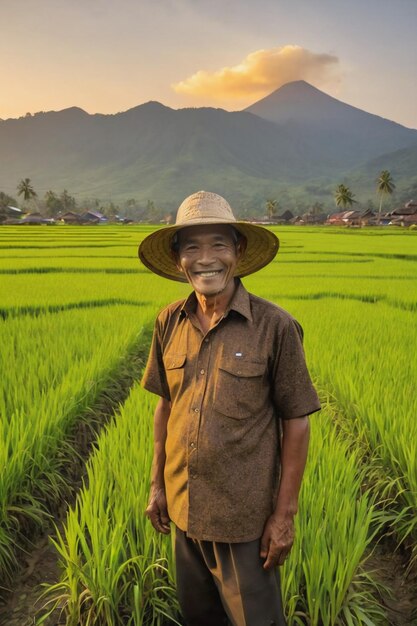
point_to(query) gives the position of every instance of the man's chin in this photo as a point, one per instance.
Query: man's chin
(209, 293)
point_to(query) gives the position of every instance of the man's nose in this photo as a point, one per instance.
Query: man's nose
(206, 255)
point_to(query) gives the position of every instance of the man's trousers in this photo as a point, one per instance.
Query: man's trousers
(224, 583)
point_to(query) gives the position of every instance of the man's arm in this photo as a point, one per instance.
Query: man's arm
(157, 506)
(278, 535)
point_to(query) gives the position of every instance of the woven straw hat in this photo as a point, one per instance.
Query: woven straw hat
(200, 208)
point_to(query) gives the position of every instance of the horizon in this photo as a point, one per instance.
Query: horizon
(152, 101)
(106, 58)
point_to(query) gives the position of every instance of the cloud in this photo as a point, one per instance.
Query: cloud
(260, 73)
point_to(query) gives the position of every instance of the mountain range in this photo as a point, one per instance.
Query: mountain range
(295, 145)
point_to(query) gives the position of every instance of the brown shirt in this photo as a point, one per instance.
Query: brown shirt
(228, 390)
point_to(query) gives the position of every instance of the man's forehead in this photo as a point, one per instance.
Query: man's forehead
(209, 231)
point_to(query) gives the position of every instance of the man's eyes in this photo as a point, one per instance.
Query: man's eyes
(215, 246)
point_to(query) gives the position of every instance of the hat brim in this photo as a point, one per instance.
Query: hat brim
(155, 250)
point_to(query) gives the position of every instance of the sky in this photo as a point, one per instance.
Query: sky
(107, 56)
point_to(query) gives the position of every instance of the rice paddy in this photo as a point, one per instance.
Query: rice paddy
(75, 302)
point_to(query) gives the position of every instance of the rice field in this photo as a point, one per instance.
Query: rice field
(75, 302)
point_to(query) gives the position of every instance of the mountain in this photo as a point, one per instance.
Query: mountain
(335, 127)
(294, 144)
(150, 151)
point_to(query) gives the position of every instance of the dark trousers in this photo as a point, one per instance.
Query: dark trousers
(224, 583)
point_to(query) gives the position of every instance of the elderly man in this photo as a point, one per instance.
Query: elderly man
(231, 426)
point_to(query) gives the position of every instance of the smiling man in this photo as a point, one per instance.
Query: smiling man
(231, 426)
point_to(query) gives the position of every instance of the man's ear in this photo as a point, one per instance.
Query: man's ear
(175, 257)
(241, 246)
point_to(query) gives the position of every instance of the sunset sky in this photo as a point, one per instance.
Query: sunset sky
(110, 55)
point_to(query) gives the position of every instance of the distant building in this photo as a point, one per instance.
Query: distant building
(70, 217)
(35, 219)
(10, 214)
(403, 216)
(284, 218)
(352, 218)
(93, 217)
(368, 217)
(314, 218)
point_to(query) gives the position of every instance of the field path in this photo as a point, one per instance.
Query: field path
(391, 567)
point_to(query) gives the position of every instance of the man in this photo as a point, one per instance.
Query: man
(231, 426)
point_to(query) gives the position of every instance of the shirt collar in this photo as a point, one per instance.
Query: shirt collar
(240, 303)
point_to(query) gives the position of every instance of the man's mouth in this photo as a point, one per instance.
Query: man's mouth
(208, 274)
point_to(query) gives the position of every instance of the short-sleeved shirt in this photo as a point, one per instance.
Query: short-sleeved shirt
(229, 389)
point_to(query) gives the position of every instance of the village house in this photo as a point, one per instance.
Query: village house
(353, 217)
(10, 215)
(36, 218)
(313, 218)
(403, 216)
(93, 217)
(70, 217)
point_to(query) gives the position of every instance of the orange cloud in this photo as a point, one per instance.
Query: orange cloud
(260, 73)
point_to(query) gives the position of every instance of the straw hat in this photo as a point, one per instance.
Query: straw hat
(205, 207)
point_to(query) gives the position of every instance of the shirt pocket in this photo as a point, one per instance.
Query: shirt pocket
(240, 388)
(174, 368)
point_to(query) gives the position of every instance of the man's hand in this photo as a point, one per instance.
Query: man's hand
(277, 540)
(157, 510)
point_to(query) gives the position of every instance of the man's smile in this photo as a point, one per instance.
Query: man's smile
(208, 273)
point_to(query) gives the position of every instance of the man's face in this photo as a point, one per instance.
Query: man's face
(208, 256)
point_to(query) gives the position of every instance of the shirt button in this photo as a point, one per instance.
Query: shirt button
(206, 340)
(193, 476)
(196, 410)
(202, 371)
(192, 444)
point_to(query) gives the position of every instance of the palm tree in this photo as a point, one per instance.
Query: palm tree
(26, 190)
(271, 208)
(343, 196)
(385, 187)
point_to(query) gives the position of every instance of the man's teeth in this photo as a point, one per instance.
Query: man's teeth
(208, 274)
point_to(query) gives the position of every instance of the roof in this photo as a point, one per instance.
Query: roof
(68, 214)
(287, 215)
(408, 209)
(345, 215)
(36, 219)
(368, 213)
(96, 214)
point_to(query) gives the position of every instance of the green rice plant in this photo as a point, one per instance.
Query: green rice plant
(116, 569)
(368, 371)
(53, 368)
(20, 292)
(324, 580)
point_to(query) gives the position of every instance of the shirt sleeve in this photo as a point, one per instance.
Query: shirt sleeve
(154, 378)
(293, 392)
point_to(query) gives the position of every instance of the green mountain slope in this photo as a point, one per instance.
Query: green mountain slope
(402, 164)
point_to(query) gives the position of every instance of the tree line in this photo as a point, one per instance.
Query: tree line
(54, 203)
(344, 197)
